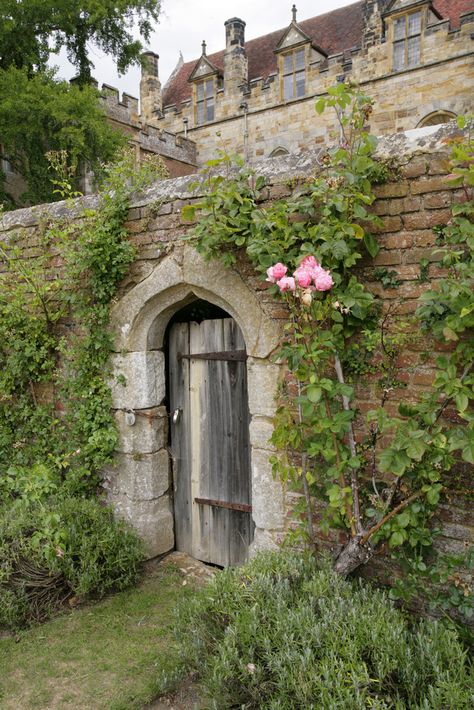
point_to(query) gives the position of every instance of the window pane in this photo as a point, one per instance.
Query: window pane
(399, 55)
(413, 51)
(300, 59)
(300, 83)
(414, 24)
(288, 63)
(200, 91)
(210, 87)
(210, 110)
(399, 27)
(288, 92)
(200, 112)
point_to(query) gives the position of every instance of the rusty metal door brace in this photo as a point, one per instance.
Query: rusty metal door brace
(243, 507)
(232, 355)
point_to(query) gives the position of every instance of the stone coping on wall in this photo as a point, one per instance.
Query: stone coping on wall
(401, 146)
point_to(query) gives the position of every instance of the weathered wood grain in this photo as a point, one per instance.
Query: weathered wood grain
(216, 430)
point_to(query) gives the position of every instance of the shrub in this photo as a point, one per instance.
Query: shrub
(58, 549)
(278, 633)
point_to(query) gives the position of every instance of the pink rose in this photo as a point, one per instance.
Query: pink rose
(276, 272)
(309, 262)
(303, 277)
(287, 283)
(323, 280)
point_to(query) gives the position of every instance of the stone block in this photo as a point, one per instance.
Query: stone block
(138, 380)
(263, 379)
(153, 521)
(262, 540)
(261, 430)
(139, 477)
(267, 493)
(148, 434)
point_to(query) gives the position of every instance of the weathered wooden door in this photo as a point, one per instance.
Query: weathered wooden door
(210, 440)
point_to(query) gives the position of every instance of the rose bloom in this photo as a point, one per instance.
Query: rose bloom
(276, 272)
(287, 283)
(323, 280)
(303, 277)
(309, 262)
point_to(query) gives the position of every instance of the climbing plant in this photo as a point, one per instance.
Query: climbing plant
(55, 403)
(381, 475)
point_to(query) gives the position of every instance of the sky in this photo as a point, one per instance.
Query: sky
(184, 24)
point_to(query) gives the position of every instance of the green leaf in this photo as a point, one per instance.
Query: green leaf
(449, 334)
(403, 520)
(462, 402)
(397, 538)
(320, 106)
(416, 448)
(468, 452)
(314, 393)
(432, 495)
(371, 244)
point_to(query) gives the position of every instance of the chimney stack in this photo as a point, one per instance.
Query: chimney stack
(235, 58)
(150, 87)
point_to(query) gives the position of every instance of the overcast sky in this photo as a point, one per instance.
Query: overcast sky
(185, 23)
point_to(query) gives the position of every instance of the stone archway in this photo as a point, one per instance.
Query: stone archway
(139, 484)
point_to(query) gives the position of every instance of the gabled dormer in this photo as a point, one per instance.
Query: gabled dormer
(205, 78)
(406, 22)
(295, 51)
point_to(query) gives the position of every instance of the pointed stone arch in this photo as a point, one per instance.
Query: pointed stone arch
(139, 485)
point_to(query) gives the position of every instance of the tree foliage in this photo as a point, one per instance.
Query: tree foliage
(30, 30)
(38, 114)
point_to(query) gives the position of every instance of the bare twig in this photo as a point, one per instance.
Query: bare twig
(352, 445)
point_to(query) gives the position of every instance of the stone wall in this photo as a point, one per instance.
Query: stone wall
(444, 81)
(167, 274)
(178, 153)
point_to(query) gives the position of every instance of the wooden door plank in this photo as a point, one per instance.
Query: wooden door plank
(180, 436)
(214, 437)
(199, 458)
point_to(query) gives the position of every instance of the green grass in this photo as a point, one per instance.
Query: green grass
(117, 654)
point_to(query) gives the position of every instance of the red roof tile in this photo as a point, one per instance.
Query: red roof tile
(333, 32)
(453, 9)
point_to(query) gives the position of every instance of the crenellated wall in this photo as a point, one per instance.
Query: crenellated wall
(178, 153)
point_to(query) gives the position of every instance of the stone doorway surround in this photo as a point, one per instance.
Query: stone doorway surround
(139, 484)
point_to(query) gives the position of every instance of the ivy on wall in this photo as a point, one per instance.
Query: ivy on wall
(56, 423)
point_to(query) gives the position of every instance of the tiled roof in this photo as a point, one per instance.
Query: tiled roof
(333, 32)
(453, 9)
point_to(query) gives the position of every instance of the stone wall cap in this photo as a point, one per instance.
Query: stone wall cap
(428, 140)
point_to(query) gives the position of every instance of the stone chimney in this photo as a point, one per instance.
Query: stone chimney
(150, 87)
(235, 58)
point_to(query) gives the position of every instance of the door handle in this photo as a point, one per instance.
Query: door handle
(176, 415)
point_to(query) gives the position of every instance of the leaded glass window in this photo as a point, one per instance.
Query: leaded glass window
(294, 74)
(205, 101)
(407, 41)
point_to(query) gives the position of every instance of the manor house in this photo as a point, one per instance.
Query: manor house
(415, 58)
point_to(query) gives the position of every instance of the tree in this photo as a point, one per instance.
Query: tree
(39, 114)
(30, 30)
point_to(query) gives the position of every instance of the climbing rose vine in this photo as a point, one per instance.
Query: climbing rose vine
(381, 475)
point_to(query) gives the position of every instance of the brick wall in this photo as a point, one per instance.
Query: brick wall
(410, 207)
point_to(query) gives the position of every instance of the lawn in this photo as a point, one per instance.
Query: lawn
(117, 654)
